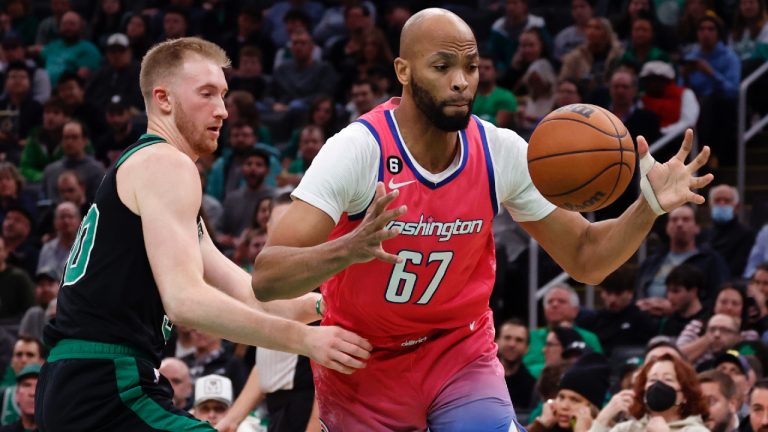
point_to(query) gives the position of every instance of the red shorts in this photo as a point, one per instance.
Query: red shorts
(444, 380)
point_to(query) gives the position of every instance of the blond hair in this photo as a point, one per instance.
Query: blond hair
(163, 59)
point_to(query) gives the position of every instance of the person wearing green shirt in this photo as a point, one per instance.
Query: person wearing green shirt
(311, 139)
(70, 52)
(561, 305)
(493, 103)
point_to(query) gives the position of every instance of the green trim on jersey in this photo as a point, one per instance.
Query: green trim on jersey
(83, 349)
(153, 139)
(154, 415)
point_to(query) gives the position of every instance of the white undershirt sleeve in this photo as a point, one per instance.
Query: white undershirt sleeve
(342, 177)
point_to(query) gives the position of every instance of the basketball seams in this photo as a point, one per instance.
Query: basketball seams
(586, 183)
(621, 151)
(571, 153)
(586, 124)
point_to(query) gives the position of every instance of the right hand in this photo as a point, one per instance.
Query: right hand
(655, 306)
(657, 424)
(364, 243)
(227, 424)
(336, 348)
(548, 416)
(619, 403)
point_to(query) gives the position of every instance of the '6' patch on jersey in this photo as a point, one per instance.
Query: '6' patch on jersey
(394, 164)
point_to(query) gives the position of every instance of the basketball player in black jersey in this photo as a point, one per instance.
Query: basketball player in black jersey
(143, 260)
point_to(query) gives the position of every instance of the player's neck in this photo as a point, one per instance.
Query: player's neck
(165, 128)
(432, 148)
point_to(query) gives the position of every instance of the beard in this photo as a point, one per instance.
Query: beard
(196, 137)
(433, 110)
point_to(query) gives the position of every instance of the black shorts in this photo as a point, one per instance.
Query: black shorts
(88, 386)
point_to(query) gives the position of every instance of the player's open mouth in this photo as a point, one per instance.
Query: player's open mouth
(214, 129)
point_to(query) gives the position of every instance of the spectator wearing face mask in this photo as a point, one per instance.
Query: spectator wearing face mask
(728, 236)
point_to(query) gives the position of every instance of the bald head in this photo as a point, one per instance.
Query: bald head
(430, 25)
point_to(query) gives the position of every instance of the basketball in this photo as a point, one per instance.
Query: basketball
(581, 157)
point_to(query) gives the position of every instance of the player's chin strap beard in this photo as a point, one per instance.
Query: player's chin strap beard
(646, 163)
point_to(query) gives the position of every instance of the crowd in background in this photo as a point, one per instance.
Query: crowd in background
(685, 328)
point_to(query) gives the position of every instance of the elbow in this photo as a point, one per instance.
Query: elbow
(178, 313)
(263, 291)
(589, 276)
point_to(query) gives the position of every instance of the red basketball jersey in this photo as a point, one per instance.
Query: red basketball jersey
(446, 242)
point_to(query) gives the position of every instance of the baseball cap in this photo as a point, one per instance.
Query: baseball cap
(48, 273)
(116, 105)
(657, 68)
(213, 387)
(32, 369)
(118, 40)
(733, 357)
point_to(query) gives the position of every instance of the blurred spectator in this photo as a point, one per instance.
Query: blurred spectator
(682, 229)
(226, 174)
(14, 51)
(274, 17)
(736, 366)
(210, 357)
(687, 27)
(563, 346)
(55, 252)
(642, 46)
(676, 106)
(71, 91)
(582, 391)
(301, 78)
(758, 408)
(759, 252)
(24, 394)
(512, 339)
(26, 350)
(88, 169)
(118, 77)
(240, 204)
(362, 98)
(620, 322)
(719, 392)
(249, 75)
(36, 317)
(177, 373)
(505, 33)
(531, 48)
(376, 54)
(241, 106)
(722, 334)
(23, 23)
(21, 249)
(12, 192)
(213, 397)
(138, 32)
(250, 244)
(712, 70)
(590, 62)
(19, 112)
(106, 21)
(342, 51)
(48, 30)
(72, 189)
(42, 146)
(561, 306)
(70, 52)
(749, 34)
(121, 134)
(175, 23)
(310, 142)
(333, 24)
(539, 82)
(568, 92)
(660, 345)
(728, 236)
(666, 396)
(296, 20)
(395, 16)
(322, 112)
(682, 304)
(665, 37)
(574, 35)
(248, 32)
(493, 104)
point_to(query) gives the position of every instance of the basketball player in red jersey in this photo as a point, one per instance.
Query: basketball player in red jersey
(393, 219)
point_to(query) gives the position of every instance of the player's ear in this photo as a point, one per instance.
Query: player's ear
(162, 99)
(402, 70)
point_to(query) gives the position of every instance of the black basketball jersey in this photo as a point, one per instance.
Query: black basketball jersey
(108, 293)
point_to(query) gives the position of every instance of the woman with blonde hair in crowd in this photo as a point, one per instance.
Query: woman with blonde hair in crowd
(666, 396)
(590, 64)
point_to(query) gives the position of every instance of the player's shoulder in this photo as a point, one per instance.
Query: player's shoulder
(499, 137)
(354, 140)
(159, 162)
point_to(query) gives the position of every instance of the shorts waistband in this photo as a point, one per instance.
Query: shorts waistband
(83, 349)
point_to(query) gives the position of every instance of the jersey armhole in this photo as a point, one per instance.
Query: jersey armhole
(380, 175)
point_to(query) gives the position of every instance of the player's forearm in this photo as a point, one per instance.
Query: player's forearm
(610, 243)
(202, 308)
(302, 309)
(282, 272)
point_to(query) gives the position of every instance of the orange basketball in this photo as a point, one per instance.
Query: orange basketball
(581, 157)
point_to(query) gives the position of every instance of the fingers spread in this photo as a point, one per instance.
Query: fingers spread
(700, 182)
(387, 257)
(685, 149)
(642, 146)
(700, 161)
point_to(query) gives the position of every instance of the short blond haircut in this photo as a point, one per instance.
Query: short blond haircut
(166, 58)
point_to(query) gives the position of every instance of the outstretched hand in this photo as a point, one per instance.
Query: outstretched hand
(365, 241)
(336, 348)
(674, 182)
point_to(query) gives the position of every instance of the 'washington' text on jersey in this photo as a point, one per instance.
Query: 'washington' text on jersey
(430, 227)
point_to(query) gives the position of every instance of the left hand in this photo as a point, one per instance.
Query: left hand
(673, 182)
(583, 420)
(657, 424)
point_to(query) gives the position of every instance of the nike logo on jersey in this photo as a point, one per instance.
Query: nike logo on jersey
(393, 185)
(472, 326)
